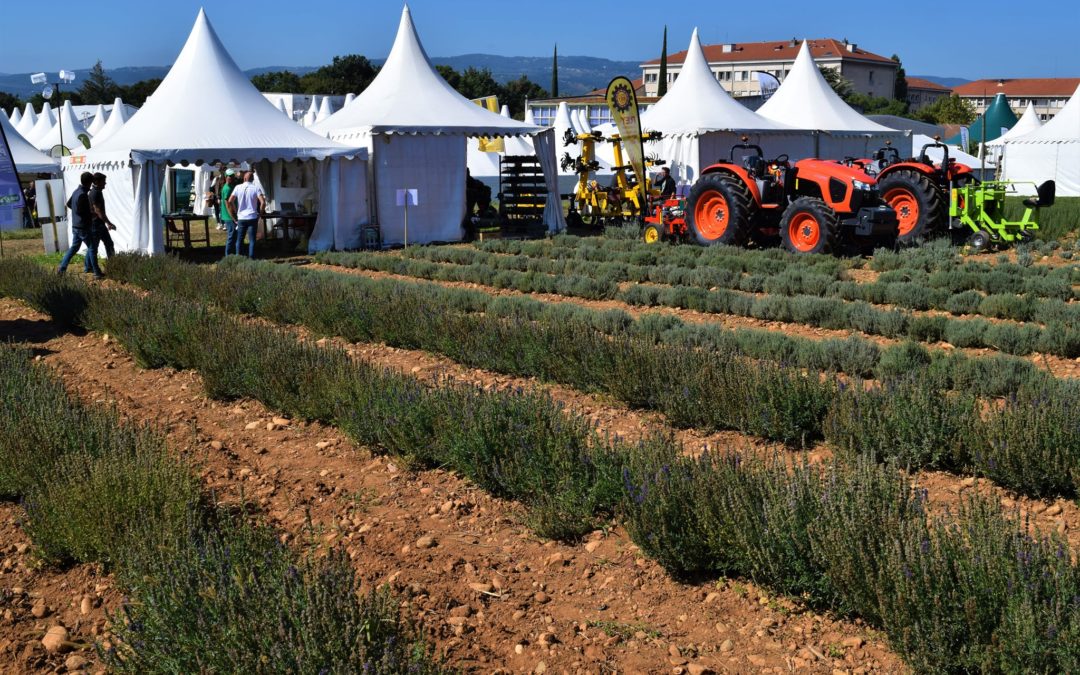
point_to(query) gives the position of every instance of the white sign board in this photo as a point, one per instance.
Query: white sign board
(58, 207)
(408, 197)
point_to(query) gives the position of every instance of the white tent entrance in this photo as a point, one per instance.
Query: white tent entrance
(1050, 152)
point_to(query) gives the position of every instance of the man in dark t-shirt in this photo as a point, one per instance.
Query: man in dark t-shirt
(101, 222)
(665, 183)
(82, 231)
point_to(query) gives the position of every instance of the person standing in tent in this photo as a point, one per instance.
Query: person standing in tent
(101, 222)
(225, 213)
(82, 229)
(248, 202)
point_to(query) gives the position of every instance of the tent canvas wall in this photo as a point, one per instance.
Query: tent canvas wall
(1051, 152)
(415, 126)
(176, 127)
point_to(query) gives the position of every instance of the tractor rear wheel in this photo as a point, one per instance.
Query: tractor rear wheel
(809, 226)
(919, 204)
(718, 211)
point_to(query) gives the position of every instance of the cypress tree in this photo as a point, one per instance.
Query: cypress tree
(555, 73)
(661, 89)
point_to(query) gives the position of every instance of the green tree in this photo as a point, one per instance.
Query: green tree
(137, 93)
(478, 82)
(661, 88)
(948, 110)
(9, 101)
(900, 88)
(98, 87)
(452, 77)
(345, 74)
(516, 92)
(281, 81)
(555, 73)
(840, 84)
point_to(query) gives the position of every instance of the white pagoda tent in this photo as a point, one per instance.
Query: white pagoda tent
(416, 126)
(15, 117)
(175, 126)
(46, 120)
(1027, 123)
(26, 124)
(118, 117)
(1050, 152)
(65, 132)
(806, 101)
(99, 120)
(486, 164)
(700, 123)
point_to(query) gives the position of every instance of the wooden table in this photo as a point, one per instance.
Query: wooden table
(184, 231)
(287, 221)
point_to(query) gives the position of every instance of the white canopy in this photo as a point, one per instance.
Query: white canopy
(117, 118)
(325, 111)
(67, 126)
(29, 119)
(176, 124)
(45, 122)
(806, 101)
(28, 159)
(15, 117)
(1050, 152)
(281, 107)
(99, 120)
(1027, 123)
(408, 96)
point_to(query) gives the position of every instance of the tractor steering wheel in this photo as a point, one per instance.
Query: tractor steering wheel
(781, 159)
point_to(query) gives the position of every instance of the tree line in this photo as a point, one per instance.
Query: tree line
(353, 73)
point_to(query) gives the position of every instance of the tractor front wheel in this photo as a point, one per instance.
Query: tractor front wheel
(919, 204)
(718, 211)
(651, 234)
(808, 226)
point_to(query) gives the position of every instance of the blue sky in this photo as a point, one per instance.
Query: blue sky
(1000, 39)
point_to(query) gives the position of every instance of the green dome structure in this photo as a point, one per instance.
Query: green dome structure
(997, 117)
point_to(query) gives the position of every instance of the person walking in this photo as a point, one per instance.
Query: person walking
(82, 228)
(226, 214)
(248, 202)
(100, 221)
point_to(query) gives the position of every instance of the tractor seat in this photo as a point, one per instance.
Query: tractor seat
(754, 165)
(1045, 197)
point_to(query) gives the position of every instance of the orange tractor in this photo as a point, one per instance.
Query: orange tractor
(811, 206)
(917, 188)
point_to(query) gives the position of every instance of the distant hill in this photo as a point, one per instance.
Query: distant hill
(949, 82)
(577, 74)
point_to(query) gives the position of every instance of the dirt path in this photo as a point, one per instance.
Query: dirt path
(494, 597)
(1056, 365)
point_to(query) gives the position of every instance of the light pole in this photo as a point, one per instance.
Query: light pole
(65, 77)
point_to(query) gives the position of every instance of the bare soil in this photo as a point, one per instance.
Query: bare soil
(494, 597)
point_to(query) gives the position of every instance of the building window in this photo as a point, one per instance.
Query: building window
(650, 77)
(543, 116)
(871, 77)
(599, 115)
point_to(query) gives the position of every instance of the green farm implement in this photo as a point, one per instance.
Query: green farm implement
(981, 208)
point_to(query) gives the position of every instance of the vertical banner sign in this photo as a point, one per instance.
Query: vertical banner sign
(491, 104)
(10, 190)
(624, 110)
(965, 138)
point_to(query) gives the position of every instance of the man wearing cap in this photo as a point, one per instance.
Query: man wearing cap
(226, 215)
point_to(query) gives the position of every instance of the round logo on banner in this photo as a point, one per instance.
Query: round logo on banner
(622, 98)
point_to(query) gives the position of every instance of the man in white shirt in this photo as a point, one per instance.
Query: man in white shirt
(248, 201)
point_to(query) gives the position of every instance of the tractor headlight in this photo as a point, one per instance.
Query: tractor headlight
(859, 185)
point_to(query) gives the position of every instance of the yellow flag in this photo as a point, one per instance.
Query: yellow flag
(622, 101)
(491, 104)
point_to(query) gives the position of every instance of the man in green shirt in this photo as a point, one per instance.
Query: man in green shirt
(227, 218)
